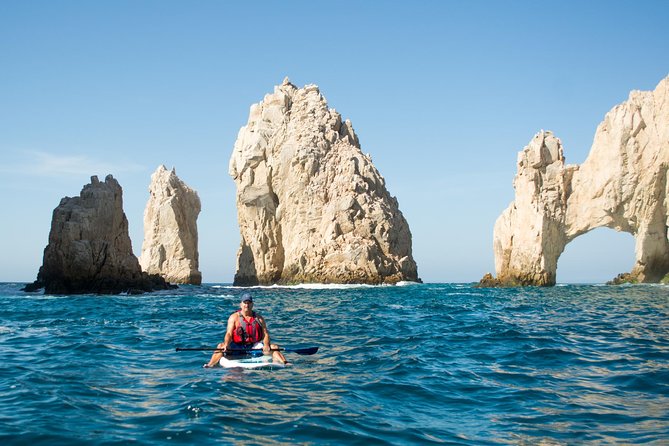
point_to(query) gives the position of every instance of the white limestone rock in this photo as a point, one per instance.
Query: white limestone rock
(170, 247)
(311, 206)
(621, 185)
(528, 235)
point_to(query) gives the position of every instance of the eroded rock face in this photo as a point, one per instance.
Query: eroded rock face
(89, 248)
(529, 235)
(621, 185)
(311, 207)
(170, 247)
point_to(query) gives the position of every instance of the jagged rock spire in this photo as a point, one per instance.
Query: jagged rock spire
(311, 206)
(89, 248)
(170, 247)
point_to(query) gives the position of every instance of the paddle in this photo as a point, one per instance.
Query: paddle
(299, 351)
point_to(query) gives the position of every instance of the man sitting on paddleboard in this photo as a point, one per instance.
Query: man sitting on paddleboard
(246, 330)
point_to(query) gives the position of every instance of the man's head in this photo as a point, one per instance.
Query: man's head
(246, 300)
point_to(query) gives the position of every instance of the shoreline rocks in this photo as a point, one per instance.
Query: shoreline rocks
(170, 247)
(311, 206)
(623, 278)
(89, 249)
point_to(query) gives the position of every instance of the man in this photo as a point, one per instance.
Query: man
(246, 330)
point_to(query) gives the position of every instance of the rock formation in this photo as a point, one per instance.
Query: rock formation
(170, 229)
(621, 185)
(529, 235)
(311, 206)
(89, 248)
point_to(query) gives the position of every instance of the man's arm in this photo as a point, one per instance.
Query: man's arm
(228, 332)
(216, 356)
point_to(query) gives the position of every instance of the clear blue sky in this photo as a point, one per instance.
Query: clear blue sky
(442, 94)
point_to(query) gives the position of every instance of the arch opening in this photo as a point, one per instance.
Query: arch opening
(596, 257)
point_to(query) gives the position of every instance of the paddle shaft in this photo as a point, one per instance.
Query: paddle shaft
(299, 351)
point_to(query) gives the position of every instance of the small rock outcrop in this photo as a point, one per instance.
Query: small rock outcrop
(623, 278)
(621, 185)
(170, 247)
(311, 206)
(489, 281)
(89, 248)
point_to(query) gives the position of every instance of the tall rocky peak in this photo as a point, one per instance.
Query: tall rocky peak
(621, 185)
(89, 248)
(170, 247)
(311, 206)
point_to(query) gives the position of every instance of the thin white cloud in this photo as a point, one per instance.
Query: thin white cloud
(44, 164)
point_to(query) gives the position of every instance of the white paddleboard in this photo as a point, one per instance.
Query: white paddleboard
(255, 362)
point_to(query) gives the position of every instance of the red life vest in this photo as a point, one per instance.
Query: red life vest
(248, 332)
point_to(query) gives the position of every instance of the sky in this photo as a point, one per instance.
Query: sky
(442, 95)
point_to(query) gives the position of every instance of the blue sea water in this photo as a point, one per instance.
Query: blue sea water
(414, 364)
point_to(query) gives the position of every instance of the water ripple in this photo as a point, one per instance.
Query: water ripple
(415, 364)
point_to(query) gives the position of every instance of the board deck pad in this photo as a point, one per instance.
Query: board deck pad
(253, 362)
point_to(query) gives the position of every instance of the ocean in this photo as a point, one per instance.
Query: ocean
(397, 365)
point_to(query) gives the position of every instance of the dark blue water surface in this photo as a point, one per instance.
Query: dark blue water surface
(415, 364)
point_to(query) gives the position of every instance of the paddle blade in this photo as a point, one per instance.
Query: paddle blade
(303, 351)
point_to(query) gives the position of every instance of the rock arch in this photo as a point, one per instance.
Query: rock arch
(621, 185)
